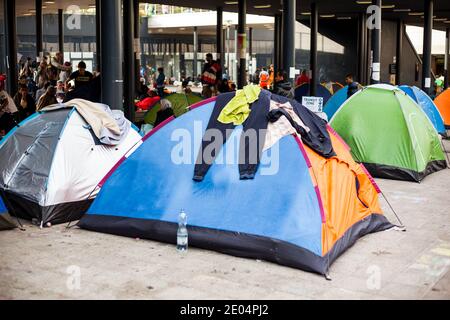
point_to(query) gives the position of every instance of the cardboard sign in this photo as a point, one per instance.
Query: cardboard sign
(315, 104)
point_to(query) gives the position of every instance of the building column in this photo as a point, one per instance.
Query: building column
(219, 37)
(277, 44)
(194, 67)
(427, 42)
(61, 30)
(241, 50)
(39, 49)
(98, 34)
(362, 48)
(137, 43)
(447, 57)
(376, 48)
(399, 54)
(313, 48)
(11, 46)
(250, 51)
(111, 68)
(129, 59)
(288, 35)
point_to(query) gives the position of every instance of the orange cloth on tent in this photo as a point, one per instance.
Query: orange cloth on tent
(342, 204)
(442, 101)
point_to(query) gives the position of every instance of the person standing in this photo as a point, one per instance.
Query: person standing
(160, 82)
(302, 79)
(211, 69)
(353, 86)
(56, 66)
(8, 110)
(264, 78)
(81, 77)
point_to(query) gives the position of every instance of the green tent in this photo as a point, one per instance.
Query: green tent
(180, 103)
(390, 134)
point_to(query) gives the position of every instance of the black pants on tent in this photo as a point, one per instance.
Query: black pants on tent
(250, 146)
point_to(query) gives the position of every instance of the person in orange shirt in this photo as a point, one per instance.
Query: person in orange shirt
(271, 76)
(264, 79)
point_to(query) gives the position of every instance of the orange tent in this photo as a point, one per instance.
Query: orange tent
(443, 103)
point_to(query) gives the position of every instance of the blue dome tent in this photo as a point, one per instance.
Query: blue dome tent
(428, 106)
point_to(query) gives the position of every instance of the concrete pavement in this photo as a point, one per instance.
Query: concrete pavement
(57, 263)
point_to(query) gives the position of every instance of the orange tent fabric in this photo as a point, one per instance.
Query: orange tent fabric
(344, 203)
(443, 103)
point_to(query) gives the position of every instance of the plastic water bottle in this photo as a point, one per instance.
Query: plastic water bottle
(182, 233)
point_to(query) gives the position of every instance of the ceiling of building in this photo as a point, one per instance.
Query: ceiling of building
(409, 10)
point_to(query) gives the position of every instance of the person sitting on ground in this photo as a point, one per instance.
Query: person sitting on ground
(283, 86)
(223, 85)
(142, 89)
(42, 91)
(164, 112)
(24, 102)
(47, 99)
(81, 77)
(353, 86)
(60, 96)
(148, 102)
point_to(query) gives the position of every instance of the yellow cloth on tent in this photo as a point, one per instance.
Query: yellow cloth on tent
(238, 109)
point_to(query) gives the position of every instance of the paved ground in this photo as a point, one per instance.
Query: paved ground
(57, 263)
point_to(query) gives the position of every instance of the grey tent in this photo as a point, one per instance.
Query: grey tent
(51, 164)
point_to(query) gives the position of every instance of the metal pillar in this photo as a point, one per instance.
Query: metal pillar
(61, 30)
(111, 68)
(39, 49)
(137, 43)
(98, 34)
(241, 50)
(194, 67)
(313, 48)
(250, 42)
(250, 50)
(362, 48)
(427, 39)
(219, 36)
(288, 35)
(376, 49)
(129, 76)
(399, 55)
(277, 44)
(447, 57)
(11, 45)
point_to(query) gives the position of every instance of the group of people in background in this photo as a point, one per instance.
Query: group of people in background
(39, 85)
